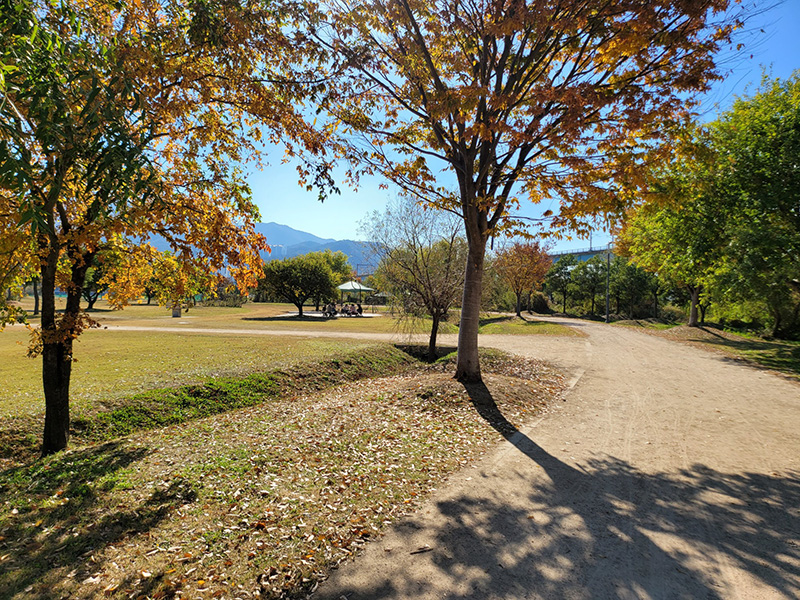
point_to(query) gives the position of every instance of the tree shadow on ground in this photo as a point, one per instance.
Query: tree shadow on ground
(605, 529)
(291, 318)
(764, 354)
(60, 523)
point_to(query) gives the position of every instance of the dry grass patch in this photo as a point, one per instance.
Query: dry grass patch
(259, 502)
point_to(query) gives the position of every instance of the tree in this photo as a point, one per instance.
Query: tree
(95, 283)
(421, 259)
(104, 141)
(538, 99)
(679, 235)
(757, 143)
(559, 277)
(590, 278)
(340, 268)
(523, 267)
(297, 279)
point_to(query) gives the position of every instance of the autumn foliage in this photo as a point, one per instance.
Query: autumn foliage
(523, 267)
(124, 121)
(518, 101)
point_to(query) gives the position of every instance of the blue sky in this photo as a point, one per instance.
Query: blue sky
(280, 199)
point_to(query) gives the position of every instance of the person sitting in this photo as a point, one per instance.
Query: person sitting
(359, 310)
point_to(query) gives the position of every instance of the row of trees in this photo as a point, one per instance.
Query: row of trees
(723, 220)
(582, 286)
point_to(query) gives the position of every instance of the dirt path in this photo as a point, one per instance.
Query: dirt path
(668, 472)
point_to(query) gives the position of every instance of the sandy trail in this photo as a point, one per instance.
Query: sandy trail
(668, 472)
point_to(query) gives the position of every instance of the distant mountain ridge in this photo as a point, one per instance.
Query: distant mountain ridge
(283, 235)
(287, 242)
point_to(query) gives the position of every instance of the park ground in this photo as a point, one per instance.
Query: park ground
(618, 464)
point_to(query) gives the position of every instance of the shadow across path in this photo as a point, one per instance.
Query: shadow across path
(604, 529)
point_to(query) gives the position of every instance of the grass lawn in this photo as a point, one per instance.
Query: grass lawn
(111, 364)
(777, 355)
(253, 315)
(646, 324)
(524, 326)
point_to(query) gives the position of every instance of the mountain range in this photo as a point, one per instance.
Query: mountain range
(287, 243)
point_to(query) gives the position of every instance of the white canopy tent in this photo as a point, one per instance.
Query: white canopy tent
(354, 286)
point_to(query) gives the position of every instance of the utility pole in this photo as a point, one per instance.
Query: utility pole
(608, 278)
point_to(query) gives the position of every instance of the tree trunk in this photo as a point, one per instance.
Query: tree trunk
(655, 305)
(776, 327)
(703, 309)
(57, 352)
(434, 331)
(35, 296)
(695, 291)
(299, 306)
(519, 304)
(468, 367)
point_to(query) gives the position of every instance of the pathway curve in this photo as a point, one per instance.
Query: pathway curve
(668, 472)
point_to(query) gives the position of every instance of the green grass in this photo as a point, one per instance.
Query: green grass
(253, 315)
(173, 405)
(777, 355)
(647, 324)
(111, 364)
(517, 326)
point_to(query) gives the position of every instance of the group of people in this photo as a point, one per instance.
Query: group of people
(346, 310)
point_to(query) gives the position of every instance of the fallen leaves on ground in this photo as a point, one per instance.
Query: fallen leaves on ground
(260, 502)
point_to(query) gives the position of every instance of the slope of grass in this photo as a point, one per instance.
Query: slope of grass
(256, 502)
(111, 364)
(522, 326)
(167, 406)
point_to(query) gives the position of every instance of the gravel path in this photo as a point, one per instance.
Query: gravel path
(668, 472)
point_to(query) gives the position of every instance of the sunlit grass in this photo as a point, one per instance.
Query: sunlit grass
(517, 326)
(110, 363)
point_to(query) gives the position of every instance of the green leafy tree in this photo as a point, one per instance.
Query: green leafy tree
(340, 268)
(757, 143)
(590, 279)
(299, 279)
(681, 235)
(630, 286)
(559, 278)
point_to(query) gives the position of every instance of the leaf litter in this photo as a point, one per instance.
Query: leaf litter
(261, 502)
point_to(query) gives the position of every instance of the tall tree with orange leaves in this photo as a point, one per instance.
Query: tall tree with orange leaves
(519, 100)
(123, 120)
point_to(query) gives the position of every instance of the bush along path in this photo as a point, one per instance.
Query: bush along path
(260, 501)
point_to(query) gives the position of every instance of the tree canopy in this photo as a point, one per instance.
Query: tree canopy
(519, 100)
(122, 121)
(299, 279)
(724, 214)
(523, 266)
